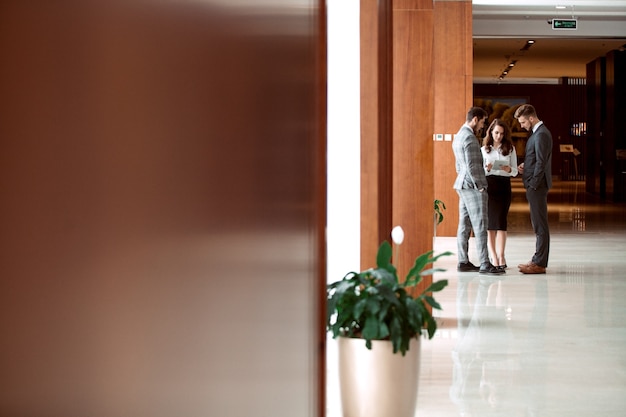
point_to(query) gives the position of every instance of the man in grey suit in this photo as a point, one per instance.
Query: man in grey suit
(536, 173)
(471, 186)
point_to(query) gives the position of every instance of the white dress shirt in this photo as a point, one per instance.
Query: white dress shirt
(496, 155)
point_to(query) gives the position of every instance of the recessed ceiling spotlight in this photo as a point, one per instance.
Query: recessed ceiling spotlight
(527, 45)
(560, 7)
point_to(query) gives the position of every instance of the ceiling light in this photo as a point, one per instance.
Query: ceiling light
(527, 45)
(560, 7)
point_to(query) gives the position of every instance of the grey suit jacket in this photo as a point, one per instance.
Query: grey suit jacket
(469, 161)
(538, 159)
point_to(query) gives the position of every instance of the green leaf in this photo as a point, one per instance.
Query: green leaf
(383, 331)
(430, 300)
(415, 274)
(436, 258)
(430, 271)
(437, 286)
(395, 333)
(370, 331)
(359, 308)
(383, 258)
(438, 210)
(418, 266)
(385, 275)
(371, 291)
(344, 286)
(431, 327)
(414, 313)
(373, 305)
(388, 294)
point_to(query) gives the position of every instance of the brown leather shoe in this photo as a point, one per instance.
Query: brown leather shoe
(532, 269)
(529, 263)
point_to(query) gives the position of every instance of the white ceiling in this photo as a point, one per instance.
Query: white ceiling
(501, 29)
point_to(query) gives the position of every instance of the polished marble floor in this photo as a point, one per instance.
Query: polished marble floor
(531, 345)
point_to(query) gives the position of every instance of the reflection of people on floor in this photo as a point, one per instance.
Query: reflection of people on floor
(496, 371)
(483, 371)
(534, 359)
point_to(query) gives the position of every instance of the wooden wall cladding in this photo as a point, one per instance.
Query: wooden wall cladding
(595, 114)
(162, 163)
(375, 122)
(412, 5)
(614, 142)
(453, 96)
(413, 185)
(430, 89)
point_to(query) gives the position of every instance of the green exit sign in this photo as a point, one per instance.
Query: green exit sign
(570, 24)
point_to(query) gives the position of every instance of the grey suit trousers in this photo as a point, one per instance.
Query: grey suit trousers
(472, 215)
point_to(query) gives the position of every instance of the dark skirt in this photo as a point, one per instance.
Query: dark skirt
(499, 191)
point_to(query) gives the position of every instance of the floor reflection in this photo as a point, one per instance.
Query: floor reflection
(497, 369)
(570, 210)
(544, 345)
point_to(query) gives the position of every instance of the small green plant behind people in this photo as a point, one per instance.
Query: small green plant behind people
(375, 305)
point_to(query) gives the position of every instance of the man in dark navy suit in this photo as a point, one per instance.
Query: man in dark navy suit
(536, 173)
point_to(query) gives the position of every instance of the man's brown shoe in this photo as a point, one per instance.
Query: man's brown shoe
(532, 269)
(529, 263)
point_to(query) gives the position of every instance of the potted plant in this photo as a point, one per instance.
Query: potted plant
(440, 206)
(375, 316)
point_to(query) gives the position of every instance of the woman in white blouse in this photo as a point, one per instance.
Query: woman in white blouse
(500, 165)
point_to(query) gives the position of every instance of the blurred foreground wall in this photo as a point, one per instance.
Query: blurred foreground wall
(161, 208)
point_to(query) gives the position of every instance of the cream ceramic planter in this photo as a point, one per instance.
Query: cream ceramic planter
(377, 382)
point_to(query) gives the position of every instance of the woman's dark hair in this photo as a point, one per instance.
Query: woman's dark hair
(507, 143)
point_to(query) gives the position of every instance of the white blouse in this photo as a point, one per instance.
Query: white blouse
(496, 155)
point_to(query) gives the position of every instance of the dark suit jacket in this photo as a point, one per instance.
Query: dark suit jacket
(538, 159)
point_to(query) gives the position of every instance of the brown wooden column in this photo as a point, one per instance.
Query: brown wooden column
(453, 81)
(396, 126)
(416, 80)
(158, 161)
(376, 125)
(413, 112)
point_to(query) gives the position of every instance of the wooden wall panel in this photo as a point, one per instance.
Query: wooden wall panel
(453, 96)
(412, 5)
(162, 176)
(431, 93)
(596, 113)
(375, 21)
(615, 132)
(413, 185)
(369, 127)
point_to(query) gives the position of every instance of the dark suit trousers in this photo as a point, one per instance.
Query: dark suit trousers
(538, 203)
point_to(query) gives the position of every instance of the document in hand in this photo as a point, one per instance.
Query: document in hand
(498, 164)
